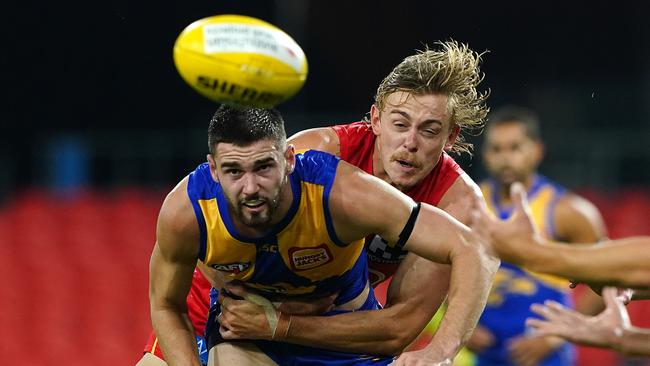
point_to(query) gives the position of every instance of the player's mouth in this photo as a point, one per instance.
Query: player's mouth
(254, 205)
(406, 166)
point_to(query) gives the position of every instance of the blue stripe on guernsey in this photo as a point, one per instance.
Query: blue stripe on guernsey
(324, 177)
(200, 186)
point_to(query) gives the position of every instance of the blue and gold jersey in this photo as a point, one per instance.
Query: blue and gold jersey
(300, 256)
(514, 289)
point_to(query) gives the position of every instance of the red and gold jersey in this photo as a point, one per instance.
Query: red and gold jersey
(357, 144)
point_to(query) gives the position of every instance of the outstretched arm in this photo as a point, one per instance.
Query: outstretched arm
(453, 331)
(171, 266)
(621, 262)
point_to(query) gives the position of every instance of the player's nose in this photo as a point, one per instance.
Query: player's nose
(250, 184)
(411, 141)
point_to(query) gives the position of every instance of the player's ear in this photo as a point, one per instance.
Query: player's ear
(374, 119)
(290, 157)
(453, 135)
(213, 167)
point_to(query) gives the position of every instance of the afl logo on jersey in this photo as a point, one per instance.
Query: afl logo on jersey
(233, 268)
(308, 258)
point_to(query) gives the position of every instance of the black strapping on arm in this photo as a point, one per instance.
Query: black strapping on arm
(408, 228)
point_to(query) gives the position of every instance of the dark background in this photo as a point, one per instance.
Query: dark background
(94, 86)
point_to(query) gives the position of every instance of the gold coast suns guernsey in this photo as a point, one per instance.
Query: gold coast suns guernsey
(514, 289)
(357, 146)
(300, 256)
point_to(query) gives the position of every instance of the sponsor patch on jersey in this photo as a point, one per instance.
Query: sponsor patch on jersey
(303, 259)
(234, 268)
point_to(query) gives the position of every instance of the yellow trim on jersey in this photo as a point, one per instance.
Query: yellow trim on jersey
(539, 205)
(231, 254)
(155, 344)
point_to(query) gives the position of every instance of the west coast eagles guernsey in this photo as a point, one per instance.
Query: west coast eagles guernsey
(301, 256)
(357, 144)
(514, 289)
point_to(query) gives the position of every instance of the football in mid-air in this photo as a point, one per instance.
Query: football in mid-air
(240, 60)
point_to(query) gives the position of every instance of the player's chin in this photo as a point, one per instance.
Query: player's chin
(256, 219)
(407, 182)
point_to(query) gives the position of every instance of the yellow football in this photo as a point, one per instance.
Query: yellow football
(241, 60)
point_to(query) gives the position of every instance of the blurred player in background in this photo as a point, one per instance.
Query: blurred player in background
(512, 153)
(286, 224)
(622, 262)
(421, 108)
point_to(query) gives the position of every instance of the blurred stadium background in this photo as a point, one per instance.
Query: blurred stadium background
(98, 126)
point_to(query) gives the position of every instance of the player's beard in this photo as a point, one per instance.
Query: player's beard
(262, 219)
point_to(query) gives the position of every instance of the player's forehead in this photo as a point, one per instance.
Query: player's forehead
(418, 107)
(507, 131)
(245, 155)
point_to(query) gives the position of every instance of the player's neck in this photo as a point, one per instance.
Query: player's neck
(504, 190)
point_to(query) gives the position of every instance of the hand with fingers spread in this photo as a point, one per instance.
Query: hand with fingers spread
(599, 331)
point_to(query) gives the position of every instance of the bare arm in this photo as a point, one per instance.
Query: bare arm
(385, 331)
(622, 262)
(436, 236)
(172, 263)
(457, 324)
(579, 221)
(321, 139)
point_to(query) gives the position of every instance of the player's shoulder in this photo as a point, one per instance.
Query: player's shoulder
(315, 166)
(320, 138)
(578, 220)
(571, 204)
(460, 197)
(176, 214)
(449, 165)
